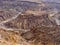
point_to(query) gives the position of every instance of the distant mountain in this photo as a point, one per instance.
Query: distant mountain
(56, 1)
(18, 5)
(22, 5)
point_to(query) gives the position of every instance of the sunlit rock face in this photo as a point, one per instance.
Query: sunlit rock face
(56, 19)
(39, 36)
(11, 38)
(55, 16)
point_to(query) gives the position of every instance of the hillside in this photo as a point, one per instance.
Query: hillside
(29, 23)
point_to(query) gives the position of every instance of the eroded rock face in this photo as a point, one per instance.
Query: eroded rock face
(29, 21)
(41, 30)
(7, 14)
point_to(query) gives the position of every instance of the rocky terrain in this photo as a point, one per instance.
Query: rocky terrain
(29, 23)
